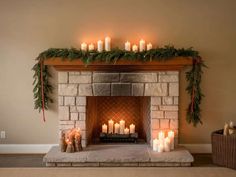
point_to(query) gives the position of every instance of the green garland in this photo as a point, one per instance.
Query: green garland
(42, 87)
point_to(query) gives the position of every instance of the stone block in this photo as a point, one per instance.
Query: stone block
(67, 89)
(85, 90)
(81, 124)
(66, 122)
(82, 116)
(62, 77)
(176, 100)
(81, 100)
(74, 116)
(137, 89)
(173, 89)
(50, 164)
(171, 114)
(84, 143)
(81, 108)
(154, 108)
(168, 78)
(86, 73)
(74, 73)
(167, 100)
(155, 100)
(102, 89)
(174, 124)
(73, 109)
(169, 108)
(66, 127)
(155, 124)
(173, 72)
(64, 164)
(80, 79)
(85, 164)
(60, 100)
(157, 114)
(164, 123)
(106, 77)
(155, 89)
(138, 77)
(69, 101)
(63, 113)
(120, 89)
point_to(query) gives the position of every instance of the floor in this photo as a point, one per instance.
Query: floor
(36, 160)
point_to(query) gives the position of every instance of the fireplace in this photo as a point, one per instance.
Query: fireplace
(89, 99)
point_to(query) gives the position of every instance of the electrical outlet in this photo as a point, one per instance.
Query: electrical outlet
(3, 135)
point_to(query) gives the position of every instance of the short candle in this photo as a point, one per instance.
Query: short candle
(107, 44)
(132, 128)
(117, 128)
(104, 128)
(122, 126)
(141, 45)
(100, 46)
(84, 46)
(91, 47)
(134, 48)
(149, 46)
(126, 131)
(127, 46)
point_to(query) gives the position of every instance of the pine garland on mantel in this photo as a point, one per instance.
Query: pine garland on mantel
(42, 87)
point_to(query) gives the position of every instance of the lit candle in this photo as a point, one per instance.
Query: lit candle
(155, 144)
(167, 144)
(132, 128)
(160, 147)
(117, 128)
(171, 136)
(104, 128)
(149, 46)
(134, 48)
(84, 46)
(141, 45)
(91, 47)
(122, 126)
(126, 131)
(127, 46)
(161, 135)
(107, 43)
(110, 126)
(100, 46)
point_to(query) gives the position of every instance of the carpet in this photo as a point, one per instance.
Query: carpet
(119, 172)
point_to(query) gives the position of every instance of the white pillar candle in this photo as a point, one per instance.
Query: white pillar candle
(108, 44)
(231, 124)
(122, 126)
(149, 46)
(141, 45)
(160, 146)
(171, 136)
(127, 46)
(161, 136)
(110, 126)
(100, 46)
(167, 144)
(91, 47)
(117, 128)
(155, 144)
(126, 131)
(104, 128)
(134, 48)
(132, 128)
(84, 46)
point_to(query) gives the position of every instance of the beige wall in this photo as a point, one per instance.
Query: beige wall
(28, 27)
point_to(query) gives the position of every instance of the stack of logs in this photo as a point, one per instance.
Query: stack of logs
(71, 141)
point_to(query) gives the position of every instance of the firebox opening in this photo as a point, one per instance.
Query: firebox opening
(132, 109)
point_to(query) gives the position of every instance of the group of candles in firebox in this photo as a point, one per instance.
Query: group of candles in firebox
(100, 47)
(118, 128)
(162, 143)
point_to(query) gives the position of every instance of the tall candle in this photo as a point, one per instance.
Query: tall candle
(127, 46)
(100, 46)
(126, 131)
(107, 43)
(141, 45)
(155, 144)
(171, 136)
(132, 128)
(161, 135)
(91, 47)
(134, 48)
(110, 126)
(117, 128)
(149, 46)
(167, 144)
(84, 46)
(122, 126)
(160, 147)
(104, 128)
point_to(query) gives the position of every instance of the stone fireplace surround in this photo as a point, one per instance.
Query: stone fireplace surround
(161, 87)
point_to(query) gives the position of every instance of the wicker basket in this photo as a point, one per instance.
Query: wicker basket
(223, 149)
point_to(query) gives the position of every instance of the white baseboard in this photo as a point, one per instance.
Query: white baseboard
(198, 148)
(25, 148)
(44, 148)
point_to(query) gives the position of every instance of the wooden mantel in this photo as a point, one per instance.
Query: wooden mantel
(121, 65)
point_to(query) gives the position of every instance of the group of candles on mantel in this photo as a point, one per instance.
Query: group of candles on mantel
(162, 143)
(107, 47)
(118, 128)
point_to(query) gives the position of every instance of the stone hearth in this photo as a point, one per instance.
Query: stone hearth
(118, 155)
